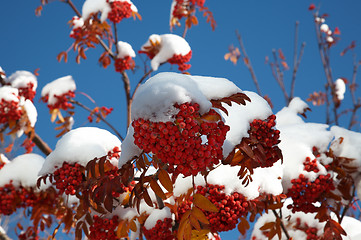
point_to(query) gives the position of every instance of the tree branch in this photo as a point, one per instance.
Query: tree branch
(248, 63)
(40, 143)
(282, 225)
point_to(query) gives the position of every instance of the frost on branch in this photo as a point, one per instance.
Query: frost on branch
(167, 48)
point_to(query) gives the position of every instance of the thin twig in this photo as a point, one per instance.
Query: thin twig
(141, 81)
(282, 225)
(98, 115)
(278, 75)
(129, 99)
(248, 63)
(40, 143)
(116, 37)
(355, 102)
(71, 4)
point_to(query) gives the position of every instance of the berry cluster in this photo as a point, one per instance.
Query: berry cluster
(161, 231)
(68, 178)
(230, 207)
(122, 64)
(181, 60)
(182, 7)
(27, 92)
(77, 33)
(28, 144)
(62, 101)
(310, 165)
(262, 133)
(310, 231)
(304, 193)
(104, 111)
(103, 228)
(179, 144)
(9, 111)
(13, 198)
(119, 10)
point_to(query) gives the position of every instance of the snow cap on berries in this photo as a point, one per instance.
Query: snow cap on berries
(22, 170)
(80, 146)
(340, 88)
(125, 49)
(166, 45)
(157, 214)
(58, 87)
(297, 141)
(103, 6)
(21, 79)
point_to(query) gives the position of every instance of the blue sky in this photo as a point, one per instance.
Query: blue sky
(28, 42)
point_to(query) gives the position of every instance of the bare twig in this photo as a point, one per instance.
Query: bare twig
(98, 115)
(129, 99)
(71, 4)
(40, 143)
(282, 225)
(248, 63)
(356, 103)
(296, 61)
(278, 75)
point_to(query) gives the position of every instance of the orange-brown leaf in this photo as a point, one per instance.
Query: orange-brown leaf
(157, 189)
(203, 203)
(165, 180)
(199, 215)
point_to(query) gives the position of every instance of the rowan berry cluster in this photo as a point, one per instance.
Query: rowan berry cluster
(179, 144)
(68, 178)
(161, 231)
(230, 207)
(27, 92)
(310, 165)
(104, 111)
(119, 10)
(103, 228)
(310, 231)
(28, 144)
(9, 111)
(77, 33)
(262, 133)
(62, 101)
(182, 7)
(181, 60)
(13, 198)
(122, 64)
(305, 193)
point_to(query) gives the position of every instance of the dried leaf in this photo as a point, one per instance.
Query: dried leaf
(157, 189)
(199, 215)
(203, 203)
(165, 180)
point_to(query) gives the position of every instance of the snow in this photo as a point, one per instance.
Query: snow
(80, 146)
(349, 147)
(77, 22)
(9, 94)
(22, 170)
(94, 6)
(157, 214)
(170, 44)
(340, 88)
(125, 49)
(130, 150)
(31, 112)
(351, 225)
(324, 28)
(21, 79)
(3, 159)
(297, 140)
(58, 87)
(227, 176)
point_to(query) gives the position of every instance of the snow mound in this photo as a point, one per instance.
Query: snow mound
(169, 45)
(21, 79)
(58, 87)
(125, 49)
(22, 170)
(80, 146)
(9, 94)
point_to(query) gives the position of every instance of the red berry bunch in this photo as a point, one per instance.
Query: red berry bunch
(27, 92)
(68, 178)
(310, 231)
(13, 198)
(77, 33)
(180, 9)
(179, 144)
(230, 207)
(9, 111)
(122, 64)
(103, 228)
(102, 111)
(161, 231)
(120, 10)
(304, 193)
(310, 165)
(262, 133)
(62, 101)
(198, 2)
(181, 60)
(28, 144)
